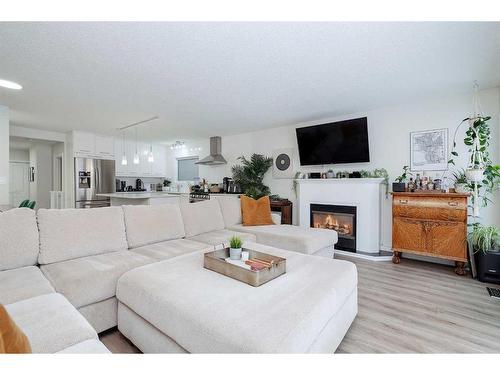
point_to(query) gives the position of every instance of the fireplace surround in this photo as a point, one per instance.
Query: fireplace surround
(362, 193)
(340, 218)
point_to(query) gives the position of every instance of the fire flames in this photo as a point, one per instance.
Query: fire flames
(330, 222)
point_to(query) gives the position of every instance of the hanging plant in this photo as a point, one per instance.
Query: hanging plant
(481, 174)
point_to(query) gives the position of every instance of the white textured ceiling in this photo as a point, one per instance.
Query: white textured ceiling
(207, 79)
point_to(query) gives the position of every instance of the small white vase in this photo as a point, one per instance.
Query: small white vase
(461, 188)
(474, 175)
(235, 254)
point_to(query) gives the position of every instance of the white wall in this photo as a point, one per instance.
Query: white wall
(41, 160)
(19, 155)
(4, 155)
(389, 133)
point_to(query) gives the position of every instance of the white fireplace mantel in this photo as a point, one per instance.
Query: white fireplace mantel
(363, 193)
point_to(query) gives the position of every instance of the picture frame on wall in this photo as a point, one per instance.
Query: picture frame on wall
(429, 150)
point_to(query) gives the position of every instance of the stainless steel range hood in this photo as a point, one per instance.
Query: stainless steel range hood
(215, 157)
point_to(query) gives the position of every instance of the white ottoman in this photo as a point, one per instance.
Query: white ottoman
(178, 306)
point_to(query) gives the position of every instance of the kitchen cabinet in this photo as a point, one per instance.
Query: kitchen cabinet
(105, 146)
(83, 143)
(92, 145)
(144, 168)
(430, 224)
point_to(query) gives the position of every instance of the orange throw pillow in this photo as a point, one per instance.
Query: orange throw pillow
(12, 339)
(256, 212)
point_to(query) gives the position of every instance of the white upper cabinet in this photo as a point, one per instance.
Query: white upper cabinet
(105, 146)
(144, 169)
(159, 167)
(91, 145)
(83, 143)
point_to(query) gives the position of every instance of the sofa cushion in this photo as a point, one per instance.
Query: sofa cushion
(256, 211)
(91, 279)
(23, 283)
(18, 238)
(170, 249)
(291, 237)
(86, 347)
(12, 339)
(222, 236)
(50, 322)
(201, 217)
(149, 224)
(75, 233)
(231, 210)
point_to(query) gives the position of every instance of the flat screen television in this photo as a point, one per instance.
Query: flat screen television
(339, 142)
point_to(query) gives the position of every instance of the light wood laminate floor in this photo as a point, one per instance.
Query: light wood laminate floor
(413, 307)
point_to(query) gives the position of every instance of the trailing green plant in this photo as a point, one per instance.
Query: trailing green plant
(235, 242)
(477, 137)
(250, 174)
(484, 238)
(459, 177)
(404, 175)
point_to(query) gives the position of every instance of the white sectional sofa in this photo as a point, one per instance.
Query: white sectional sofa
(50, 321)
(59, 269)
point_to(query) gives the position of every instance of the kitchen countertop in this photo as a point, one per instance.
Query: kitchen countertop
(141, 195)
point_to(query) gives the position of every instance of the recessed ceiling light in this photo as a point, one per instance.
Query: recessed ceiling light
(10, 85)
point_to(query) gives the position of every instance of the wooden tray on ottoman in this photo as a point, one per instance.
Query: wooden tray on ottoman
(216, 261)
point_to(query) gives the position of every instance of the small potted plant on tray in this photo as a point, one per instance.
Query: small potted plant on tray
(461, 182)
(400, 184)
(235, 248)
(485, 241)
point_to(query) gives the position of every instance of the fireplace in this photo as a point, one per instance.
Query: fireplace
(342, 219)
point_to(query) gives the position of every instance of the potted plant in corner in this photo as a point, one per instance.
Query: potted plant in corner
(235, 248)
(400, 184)
(461, 182)
(485, 241)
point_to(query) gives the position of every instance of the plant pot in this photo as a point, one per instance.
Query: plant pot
(461, 188)
(398, 187)
(488, 266)
(235, 254)
(475, 175)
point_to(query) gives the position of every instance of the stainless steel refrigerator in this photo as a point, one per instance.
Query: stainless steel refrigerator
(92, 177)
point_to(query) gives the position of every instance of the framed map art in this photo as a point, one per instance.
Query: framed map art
(429, 150)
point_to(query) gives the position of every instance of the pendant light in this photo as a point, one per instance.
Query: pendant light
(151, 158)
(136, 155)
(124, 156)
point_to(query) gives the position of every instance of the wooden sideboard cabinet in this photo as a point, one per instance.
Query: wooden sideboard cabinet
(430, 224)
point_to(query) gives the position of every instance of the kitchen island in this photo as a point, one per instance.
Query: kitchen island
(145, 198)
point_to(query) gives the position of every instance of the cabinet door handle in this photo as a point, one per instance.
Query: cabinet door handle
(403, 201)
(453, 204)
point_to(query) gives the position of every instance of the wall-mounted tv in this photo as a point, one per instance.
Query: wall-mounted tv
(339, 142)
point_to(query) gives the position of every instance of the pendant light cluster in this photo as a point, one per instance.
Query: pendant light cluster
(137, 159)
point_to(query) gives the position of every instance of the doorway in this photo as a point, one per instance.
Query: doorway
(19, 185)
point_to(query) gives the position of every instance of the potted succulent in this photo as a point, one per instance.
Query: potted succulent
(400, 184)
(461, 182)
(235, 248)
(485, 242)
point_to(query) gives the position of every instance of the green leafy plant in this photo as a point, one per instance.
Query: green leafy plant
(484, 238)
(404, 175)
(235, 242)
(477, 137)
(250, 173)
(459, 177)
